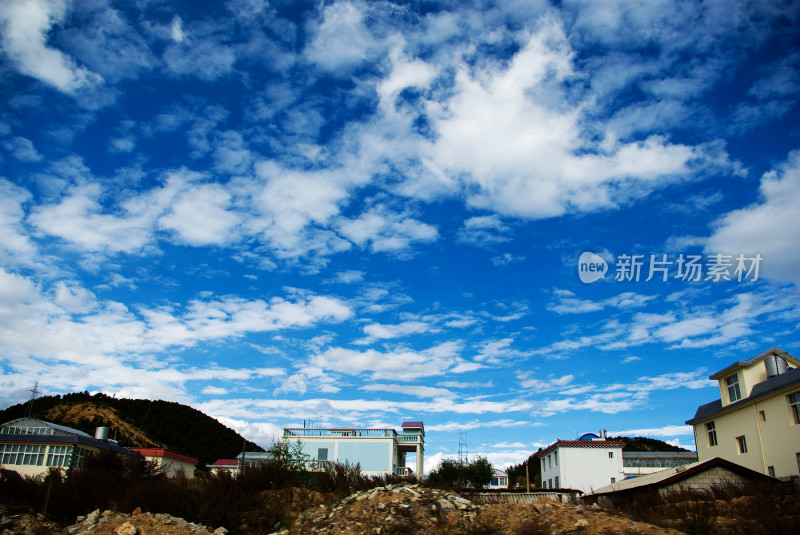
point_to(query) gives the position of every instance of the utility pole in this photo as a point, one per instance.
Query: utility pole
(527, 475)
(33, 391)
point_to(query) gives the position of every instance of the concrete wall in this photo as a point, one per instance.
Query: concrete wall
(705, 480)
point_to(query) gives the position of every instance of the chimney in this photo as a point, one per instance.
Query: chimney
(602, 434)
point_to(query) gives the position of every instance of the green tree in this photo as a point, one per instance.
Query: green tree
(453, 474)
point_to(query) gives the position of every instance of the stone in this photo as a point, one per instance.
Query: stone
(126, 529)
(581, 523)
(92, 517)
(220, 531)
(137, 511)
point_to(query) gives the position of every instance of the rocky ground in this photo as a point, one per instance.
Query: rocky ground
(106, 523)
(408, 509)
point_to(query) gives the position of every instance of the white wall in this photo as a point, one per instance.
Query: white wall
(583, 468)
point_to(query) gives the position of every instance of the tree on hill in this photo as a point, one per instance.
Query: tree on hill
(646, 444)
(163, 423)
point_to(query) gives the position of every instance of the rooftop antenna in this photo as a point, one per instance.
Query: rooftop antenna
(33, 391)
(463, 449)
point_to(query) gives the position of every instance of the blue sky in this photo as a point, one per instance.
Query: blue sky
(363, 213)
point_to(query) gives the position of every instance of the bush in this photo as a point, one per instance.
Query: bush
(452, 474)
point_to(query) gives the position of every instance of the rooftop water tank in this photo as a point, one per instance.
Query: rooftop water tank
(101, 433)
(776, 365)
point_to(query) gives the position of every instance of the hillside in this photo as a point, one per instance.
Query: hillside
(140, 423)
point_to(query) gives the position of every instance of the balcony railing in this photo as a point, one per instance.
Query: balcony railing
(408, 438)
(319, 432)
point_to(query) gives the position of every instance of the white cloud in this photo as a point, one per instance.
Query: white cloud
(409, 390)
(15, 244)
(349, 276)
(484, 230)
(513, 136)
(477, 424)
(204, 57)
(386, 332)
(385, 231)
(202, 216)
(264, 434)
(766, 227)
(400, 364)
(341, 41)
(26, 25)
(22, 149)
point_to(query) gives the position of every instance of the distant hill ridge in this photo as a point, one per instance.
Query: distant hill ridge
(140, 423)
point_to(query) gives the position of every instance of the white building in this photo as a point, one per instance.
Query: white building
(173, 464)
(585, 464)
(756, 421)
(31, 446)
(378, 451)
(499, 480)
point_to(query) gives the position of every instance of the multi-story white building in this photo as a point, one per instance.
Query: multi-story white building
(756, 421)
(378, 451)
(585, 464)
(31, 446)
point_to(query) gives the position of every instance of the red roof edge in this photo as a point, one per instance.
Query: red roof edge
(585, 444)
(412, 424)
(226, 462)
(168, 454)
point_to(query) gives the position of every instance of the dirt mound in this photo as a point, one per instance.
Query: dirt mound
(404, 509)
(137, 523)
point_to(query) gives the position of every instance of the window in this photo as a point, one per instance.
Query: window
(14, 430)
(610, 454)
(733, 388)
(771, 471)
(549, 461)
(794, 404)
(763, 416)
(742, 444)
(543, 466)
(555, 457)
(712, 433)
(322, 454)
(59, 456)
(798, 459)
(80, 457)
(549, 483)
(556, 482)
(21, 454)
(613, 479)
